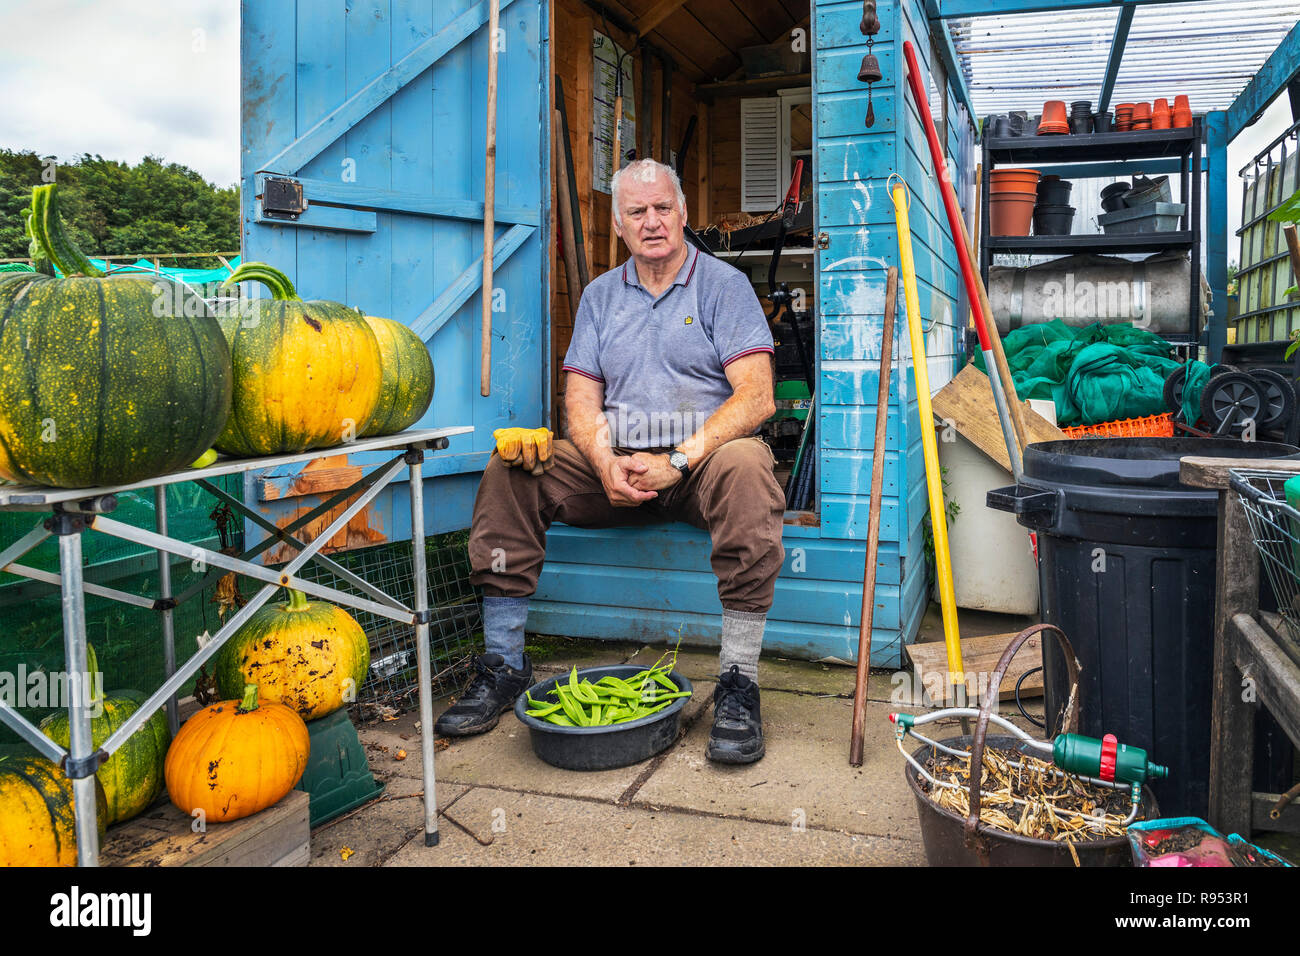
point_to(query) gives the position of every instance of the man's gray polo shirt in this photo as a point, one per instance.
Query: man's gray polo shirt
(662, 360)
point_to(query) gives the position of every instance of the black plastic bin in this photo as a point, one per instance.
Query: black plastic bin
(1126, 568)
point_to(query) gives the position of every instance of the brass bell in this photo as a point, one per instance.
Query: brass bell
(870, 70)
(870, 24)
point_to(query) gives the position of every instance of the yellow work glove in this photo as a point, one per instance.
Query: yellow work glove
(527, 447)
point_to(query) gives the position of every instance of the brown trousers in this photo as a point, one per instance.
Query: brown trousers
(732, 493)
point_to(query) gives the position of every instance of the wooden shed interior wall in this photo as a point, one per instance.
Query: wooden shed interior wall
(703, 39)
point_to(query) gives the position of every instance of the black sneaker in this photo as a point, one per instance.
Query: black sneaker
(737, 735)
(491, 694)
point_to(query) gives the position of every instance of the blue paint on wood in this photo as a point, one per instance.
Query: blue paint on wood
(1216, 229)
(378, 106)
(1281, 67)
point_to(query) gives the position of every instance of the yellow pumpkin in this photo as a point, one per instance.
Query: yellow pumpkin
(310, 655)
(37, 826)
(307, 374)
(236, 757)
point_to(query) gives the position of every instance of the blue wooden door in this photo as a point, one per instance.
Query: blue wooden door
(378, 109)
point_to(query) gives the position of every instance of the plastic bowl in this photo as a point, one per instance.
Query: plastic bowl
(603, 748)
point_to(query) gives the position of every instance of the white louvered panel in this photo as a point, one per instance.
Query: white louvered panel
(760, 154)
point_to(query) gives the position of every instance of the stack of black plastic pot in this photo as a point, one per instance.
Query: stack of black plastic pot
(1053, 214)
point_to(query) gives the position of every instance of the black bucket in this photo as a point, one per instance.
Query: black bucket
(1112, 197)
(951, 840)
(603, 748)
(1053, 220)
(1126, 566)
(944, 837)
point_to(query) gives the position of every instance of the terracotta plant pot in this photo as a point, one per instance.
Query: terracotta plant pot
(1124, 117)
(1011, 214)
(1053, 121)
(1182, 113)
(1013, 180)
(1142, 116)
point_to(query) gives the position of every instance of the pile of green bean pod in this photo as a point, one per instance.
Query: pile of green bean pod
(610, 700)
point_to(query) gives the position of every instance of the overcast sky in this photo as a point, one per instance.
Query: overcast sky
(130, 78)
(124, 79)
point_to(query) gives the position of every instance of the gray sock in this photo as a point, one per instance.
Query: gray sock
(742, 639)
(503, 627)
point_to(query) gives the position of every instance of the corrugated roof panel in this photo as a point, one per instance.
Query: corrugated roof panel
(1208, 51)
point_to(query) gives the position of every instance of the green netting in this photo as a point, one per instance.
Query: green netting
(1097, 373)
(127, 639)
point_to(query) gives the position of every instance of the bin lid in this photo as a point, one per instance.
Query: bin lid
(1135, 462)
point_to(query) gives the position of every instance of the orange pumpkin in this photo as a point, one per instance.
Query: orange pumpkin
(235, 758)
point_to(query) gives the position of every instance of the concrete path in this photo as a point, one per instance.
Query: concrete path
(801, 804)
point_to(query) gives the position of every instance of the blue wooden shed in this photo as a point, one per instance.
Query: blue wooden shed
(376, 107)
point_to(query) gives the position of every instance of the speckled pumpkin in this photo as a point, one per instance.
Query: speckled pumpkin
(132, 777)
(406, 389)
(103, 380)
(309, 655)
(306, 374)
(232, 759)
(37, 826)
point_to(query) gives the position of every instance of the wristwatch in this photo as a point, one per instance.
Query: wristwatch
(678, 460)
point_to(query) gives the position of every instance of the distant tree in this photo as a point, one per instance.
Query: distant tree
(113, 208)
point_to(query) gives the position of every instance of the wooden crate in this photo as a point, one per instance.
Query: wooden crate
(162, 836)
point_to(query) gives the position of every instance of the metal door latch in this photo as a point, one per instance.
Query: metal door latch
(282, 198)
(823, 240)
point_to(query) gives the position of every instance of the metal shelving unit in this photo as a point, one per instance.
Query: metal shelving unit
(67, 514)
(1084, 150)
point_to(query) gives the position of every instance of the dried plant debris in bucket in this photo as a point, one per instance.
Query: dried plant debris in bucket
(1041, 786)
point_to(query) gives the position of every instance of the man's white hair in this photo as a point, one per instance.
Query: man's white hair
(645, 170)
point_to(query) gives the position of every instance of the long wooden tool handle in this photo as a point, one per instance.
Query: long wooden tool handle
(613, 168)
(867, 618)
(568, 235)
(489, 203)
(1016, 410)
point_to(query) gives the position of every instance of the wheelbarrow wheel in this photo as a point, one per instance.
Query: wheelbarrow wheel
(1231, 401)
(1279, 397)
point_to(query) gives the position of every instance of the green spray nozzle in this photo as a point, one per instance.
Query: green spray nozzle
(1106, 759)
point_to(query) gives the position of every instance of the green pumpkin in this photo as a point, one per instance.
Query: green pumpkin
(406, 388)
(307, 374)
(103, 381)
(132, 777)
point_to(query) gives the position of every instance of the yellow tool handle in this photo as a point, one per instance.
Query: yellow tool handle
(933, 477)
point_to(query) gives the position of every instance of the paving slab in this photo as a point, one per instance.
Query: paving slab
(805, 774)
(541, 830)
(383, 826)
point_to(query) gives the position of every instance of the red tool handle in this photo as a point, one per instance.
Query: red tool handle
(949, 195)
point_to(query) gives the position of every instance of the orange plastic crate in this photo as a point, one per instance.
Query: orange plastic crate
(1153, 426)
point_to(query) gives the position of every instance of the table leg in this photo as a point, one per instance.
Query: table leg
(80, 745)
(414, 460)
(165, 594)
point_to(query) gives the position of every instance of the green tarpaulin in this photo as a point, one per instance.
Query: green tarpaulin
(1097, 373)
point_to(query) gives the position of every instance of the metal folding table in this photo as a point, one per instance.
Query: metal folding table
(73, 512)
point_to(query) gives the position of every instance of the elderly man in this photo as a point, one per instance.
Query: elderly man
(668, 378)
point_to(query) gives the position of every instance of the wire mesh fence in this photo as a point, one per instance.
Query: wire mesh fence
(455, 630)
(1275, 527)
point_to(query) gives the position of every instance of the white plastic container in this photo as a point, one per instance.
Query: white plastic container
(992, 565)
